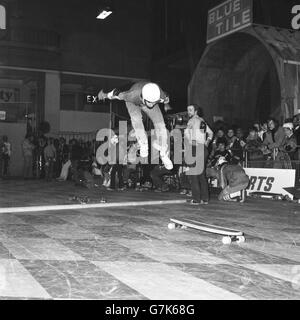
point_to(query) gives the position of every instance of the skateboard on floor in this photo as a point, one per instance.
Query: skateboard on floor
(229, 235)
(86, 199)
(269, 195)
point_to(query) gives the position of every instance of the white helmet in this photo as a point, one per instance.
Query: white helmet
(220, 161)
(114, 140)
(151, 92)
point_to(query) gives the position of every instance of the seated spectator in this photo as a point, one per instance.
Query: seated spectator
(254, 146)
(220, 152)
(130, 170)
(234, 147)
(240, 133)
(219, 137)
(75, 157)
(64, 171)
(156, 174)
(274, 136)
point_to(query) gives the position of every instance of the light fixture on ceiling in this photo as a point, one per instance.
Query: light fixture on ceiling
(105, 11)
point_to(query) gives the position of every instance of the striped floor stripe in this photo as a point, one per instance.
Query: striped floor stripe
(87, 206)
(157, 281)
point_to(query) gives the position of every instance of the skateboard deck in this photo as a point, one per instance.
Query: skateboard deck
(269, 195)
(86, 199)
(229, 235)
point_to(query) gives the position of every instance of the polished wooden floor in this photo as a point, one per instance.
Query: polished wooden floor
(128, 252)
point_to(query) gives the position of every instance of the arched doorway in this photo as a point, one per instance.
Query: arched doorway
(243, 79)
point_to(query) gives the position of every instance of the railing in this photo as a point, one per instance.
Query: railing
(273, 161)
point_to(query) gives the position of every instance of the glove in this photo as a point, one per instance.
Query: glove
(102, 96)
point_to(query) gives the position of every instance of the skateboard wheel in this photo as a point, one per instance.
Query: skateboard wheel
(226, 240)
(171, 226)
(240, 239)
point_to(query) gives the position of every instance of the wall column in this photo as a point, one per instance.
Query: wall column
(52, 101)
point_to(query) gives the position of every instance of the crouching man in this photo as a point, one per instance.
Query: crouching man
(231, 178)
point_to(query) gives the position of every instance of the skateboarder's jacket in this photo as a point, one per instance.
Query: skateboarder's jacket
(134, 94)
(232, 175)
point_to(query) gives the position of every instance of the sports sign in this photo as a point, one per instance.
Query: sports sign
(270, 180)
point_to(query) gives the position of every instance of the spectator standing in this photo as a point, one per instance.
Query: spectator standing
(27, 150)
(254, 148)
(118, 167)
(6, 154)
(296, 123)
(262, 130)
(287, 150)
(220, 152)
(62, 154)
(274, 137)
(50, 158)
(198, 133)
(75, 157)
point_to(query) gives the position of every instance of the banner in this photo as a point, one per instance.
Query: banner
(270, 180)
(228, 17)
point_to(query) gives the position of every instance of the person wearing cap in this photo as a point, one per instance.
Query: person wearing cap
(231, 177)
(145, 96)
(296, 123)
(289, 144)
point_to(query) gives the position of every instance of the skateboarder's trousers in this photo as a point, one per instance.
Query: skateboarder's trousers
(156, 117)
(229, 190)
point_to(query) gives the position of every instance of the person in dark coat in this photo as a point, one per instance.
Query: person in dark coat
(232, 178)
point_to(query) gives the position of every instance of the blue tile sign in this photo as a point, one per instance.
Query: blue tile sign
(228, 17)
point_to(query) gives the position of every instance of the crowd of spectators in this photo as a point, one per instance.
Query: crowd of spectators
(264, 145)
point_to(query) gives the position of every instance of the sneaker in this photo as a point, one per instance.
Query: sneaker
(167, 162)
(193, 202)
(158, 190)
(122, 189)
(110, 189)
(203, 202)
(184, 191)
(147, 184)
(189, 194)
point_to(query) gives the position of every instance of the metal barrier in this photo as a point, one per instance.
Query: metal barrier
(273, 161)
(83, 136)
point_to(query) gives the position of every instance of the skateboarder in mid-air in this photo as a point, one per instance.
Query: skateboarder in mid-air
(145, 96)
(232, 178)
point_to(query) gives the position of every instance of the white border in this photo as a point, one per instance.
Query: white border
(87, 206)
